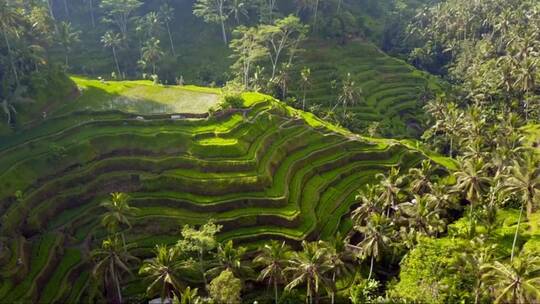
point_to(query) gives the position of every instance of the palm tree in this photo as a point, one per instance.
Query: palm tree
(350, 93)
(13, 98)
(524, 180)
(446, 198)
(67, 36)
(282, 79)
(150, 25)
(111, 261)
(472, 180)
(340, 257)
(516, 282)
(166, 13)
(229, 258)
(92, 16)
(423, 214)
(9, 23)
(274, 258)
(114, 41)
(162, 271)
(315, 4)
(421, 177)
(152, 53)
(369, 201)
(450, 122)
(309, 266)
(305, 83)
(473, 261)
(391, 185)
(377, 237)
(237, 8)
(118, 212)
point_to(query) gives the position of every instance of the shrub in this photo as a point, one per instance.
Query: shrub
(427, 275)
(231, 96)
(364, 292)
(225, 288)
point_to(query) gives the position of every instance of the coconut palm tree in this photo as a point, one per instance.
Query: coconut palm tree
(274, 258)
(524, 180)
(369, 202)
(282, 80)
(118, 212)
(309, 267)
(111, 261)
(514, 282)
(447, 199)
(473, 261)
(350, 93)
(152, 24)
(67, 36)
(451, 124)
(11, 99)
(377, 237)
(391, 187)
(237, 8)
(166, 13)
(421, 177)
(9, 23)
(114, 41)
(229, 258)
(305, 83)
(152, 53)
(472, 181)
(162, 271)
(423, 214)
(340, 257)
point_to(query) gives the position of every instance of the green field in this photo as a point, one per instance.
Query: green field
(391, 90)
(265, 171)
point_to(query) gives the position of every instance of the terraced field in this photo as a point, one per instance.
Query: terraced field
(391, 90)
(263, 171)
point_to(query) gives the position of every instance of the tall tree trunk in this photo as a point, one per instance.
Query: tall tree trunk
(12, 63)
(51, 12)
(117, 297)
(170, 39)
(451, 145)
(517, 232)
(339, 6)
(66, 8)
(275, 292)
(315, 15)
(116, 62)
(92, 17)
(304, 101)
(310, 296)
(221, 18)
(371, 268)
(333, 295)
(471, 221)
(202, 268)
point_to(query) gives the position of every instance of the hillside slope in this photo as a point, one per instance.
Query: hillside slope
(263, 171)
(392, 91)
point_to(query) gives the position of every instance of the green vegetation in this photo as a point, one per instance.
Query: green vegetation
(278, 172)
(312, 164)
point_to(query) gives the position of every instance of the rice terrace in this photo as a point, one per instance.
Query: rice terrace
(243, 151)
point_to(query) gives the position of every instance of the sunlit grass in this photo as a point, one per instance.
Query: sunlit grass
(141, 97)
